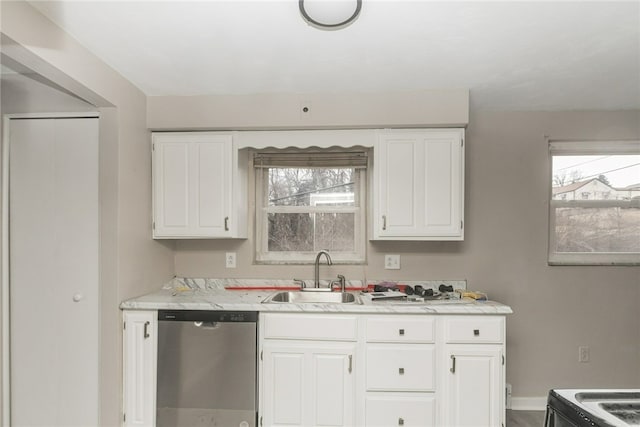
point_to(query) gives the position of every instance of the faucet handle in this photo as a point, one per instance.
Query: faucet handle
(300, 282)
(340, 281)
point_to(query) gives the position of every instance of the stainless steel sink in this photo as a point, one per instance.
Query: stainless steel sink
(300, 297)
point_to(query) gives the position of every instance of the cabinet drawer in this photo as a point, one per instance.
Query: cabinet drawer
(400, 367)
(388, 410)
(400, 329)
(475, 330)
(310, 327)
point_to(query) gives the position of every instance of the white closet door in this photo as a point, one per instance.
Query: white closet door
(53, 250)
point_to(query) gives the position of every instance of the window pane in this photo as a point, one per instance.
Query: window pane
(611, 229)
(301, 232)
(311, 187)
(334, 232)
(603, 177)
(290, 232)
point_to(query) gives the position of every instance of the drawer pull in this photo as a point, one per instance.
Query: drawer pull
(401, 371)
(476, 332)
(400, 421)
(401, 331)
(453, 364)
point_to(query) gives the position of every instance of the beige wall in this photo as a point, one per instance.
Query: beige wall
(504, 253)
(131, 262)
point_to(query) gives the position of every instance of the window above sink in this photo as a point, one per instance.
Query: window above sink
(309, 200)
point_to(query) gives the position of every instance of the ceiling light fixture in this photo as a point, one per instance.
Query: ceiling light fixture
(330, 14)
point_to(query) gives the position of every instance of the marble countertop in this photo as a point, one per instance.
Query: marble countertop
(183, 295)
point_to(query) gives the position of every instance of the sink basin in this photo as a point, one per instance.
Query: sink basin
(299, 297)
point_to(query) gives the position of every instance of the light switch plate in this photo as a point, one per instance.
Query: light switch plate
(392, 262)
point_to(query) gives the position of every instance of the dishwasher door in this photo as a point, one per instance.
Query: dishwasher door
(206, 369)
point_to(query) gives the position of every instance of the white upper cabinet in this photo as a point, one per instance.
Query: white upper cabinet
(198, 186)
(418, 185)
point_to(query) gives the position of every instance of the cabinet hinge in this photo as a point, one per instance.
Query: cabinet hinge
(153, 147)
(261, 355)
(153, 225)
(261, 420)
(503, 360)
(461, 225)
(124, 418)
(461, 142)
(124, 325)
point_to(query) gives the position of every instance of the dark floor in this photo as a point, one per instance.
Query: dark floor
(525, 418)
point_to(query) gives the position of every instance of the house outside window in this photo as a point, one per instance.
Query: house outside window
(307, 201)
(594, 209)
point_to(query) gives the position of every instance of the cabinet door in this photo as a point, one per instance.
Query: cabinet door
(192, 180)
(419, 178)
(475, 385)
(307, 383)
(140, 347)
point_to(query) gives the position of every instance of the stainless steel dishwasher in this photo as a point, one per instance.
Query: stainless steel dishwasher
(207, 364)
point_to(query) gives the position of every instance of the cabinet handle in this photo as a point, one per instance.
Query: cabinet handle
(226, 223)
(476, 332)
(350, 363)
(384, 222)
(453, 364)
(401, 331)
(146, 330)
(400, 421)
(401, 371)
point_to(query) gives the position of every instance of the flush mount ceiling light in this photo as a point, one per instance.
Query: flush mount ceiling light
(330, 14)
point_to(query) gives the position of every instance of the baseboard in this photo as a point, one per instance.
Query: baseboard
(529, 403)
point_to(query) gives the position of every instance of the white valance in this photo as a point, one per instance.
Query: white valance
(306, 138)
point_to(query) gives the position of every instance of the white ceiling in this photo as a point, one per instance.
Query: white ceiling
(538, 55)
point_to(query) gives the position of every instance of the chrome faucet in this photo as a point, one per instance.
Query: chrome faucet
(316, 281)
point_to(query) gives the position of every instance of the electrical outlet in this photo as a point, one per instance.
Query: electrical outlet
(230, 259)
(583, 354)
(392, 262)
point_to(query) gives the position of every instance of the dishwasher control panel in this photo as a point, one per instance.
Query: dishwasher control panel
(208, 316)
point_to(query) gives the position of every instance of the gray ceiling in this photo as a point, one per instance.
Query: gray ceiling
(514, 55)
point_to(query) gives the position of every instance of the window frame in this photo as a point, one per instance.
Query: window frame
(582, 148)
(262, 211)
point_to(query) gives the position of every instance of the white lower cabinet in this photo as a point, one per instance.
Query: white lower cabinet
(308, 383)
(475, 388)
(305, 381)
(474, 383)
(400, 372)
(382, 370)
(140, 346)
(345, 369)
